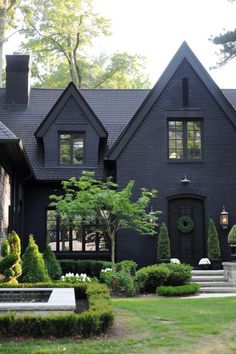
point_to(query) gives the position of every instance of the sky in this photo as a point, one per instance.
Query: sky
(156, 29)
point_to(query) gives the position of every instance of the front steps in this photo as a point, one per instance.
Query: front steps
(212, 281)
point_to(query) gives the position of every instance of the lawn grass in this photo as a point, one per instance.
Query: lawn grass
(151, 325)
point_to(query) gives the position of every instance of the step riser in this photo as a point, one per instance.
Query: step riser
(208, 273)
(208, 279)
(213, 285)
(217, 290)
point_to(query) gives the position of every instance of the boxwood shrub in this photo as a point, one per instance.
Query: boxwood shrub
(91, 267)
(179, 290)
(94, 321)
(180, 274)
(149, 278)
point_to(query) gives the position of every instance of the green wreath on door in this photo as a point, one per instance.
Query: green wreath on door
(185, 224)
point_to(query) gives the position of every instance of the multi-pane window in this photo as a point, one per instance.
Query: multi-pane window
(185, 139)
(71, 149)
(66, 239)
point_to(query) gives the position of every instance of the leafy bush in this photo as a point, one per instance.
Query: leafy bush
(180, 274)
(33, 266)
(94, 321)
(232, 236)
(149, 278)
(51, 263)
(91, 267)
(10, 265)
(119, 282)
(127, 266)
(213, 246)
(178, 290)
(163, 243)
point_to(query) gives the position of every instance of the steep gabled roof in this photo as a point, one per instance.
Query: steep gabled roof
(6, 135)
(71, 91)
(184, 52)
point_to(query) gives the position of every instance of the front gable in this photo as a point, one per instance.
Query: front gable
(183, 57)
(70, 123)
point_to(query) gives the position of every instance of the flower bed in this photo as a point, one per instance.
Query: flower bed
(94, 321)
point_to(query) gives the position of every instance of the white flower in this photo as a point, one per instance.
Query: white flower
(175, 261)
(204, 261)
(106, 270)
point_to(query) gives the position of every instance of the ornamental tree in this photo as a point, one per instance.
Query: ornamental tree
(213, 246)
(163, 243)
(105, 206)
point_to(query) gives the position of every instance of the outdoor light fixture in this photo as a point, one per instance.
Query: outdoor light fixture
(224, 219)
(185, 180)
(152, 217)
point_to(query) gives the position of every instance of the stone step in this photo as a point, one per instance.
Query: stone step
(207, 272)
(218, 290)
(214, 278)
(214, 284)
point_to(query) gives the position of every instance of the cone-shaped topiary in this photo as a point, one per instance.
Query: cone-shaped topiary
(10, 265)
(213, 246)
(33, 266)
(163, 243)
(51, 263)
(232, 236)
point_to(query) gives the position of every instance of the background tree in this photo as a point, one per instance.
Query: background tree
(228, 42)
(60, 35)
(7, 21)
(104, 207)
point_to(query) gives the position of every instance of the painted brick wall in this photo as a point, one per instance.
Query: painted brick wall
(144, 159)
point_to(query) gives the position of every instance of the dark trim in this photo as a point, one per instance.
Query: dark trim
(69, 91)
(102, 255)
(183, 53)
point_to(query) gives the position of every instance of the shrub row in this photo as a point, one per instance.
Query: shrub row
(151, 277)
(98, 317)
(178, 290)
(91, 267)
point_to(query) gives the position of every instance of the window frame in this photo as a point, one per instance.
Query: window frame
(73, 135)
(185, 158)
(84, 228)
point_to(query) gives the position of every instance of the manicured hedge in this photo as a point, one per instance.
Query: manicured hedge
(98, 317)
(149, 278)
(178, 290)
(180, 274)
(91, 267)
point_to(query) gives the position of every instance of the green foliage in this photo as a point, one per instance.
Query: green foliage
(127, 266)
(94, 321)
(149, 278)
(163, 243)
(120, 283)
(104, 206)
(51, 263)
(180, 274)
(33, 266)
(10, 265)
(180, 290)
(5, 248)
(60, 36)
(185, 224)
(90, 267)
(213, 246)
(232, 236)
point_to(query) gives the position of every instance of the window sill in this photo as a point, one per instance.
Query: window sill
(186, 161)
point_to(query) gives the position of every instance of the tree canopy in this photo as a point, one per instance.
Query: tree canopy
(104, 206)
(60, 35)
(228, 42)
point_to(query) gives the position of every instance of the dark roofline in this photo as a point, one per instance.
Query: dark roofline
(184, 52)
(71, 90)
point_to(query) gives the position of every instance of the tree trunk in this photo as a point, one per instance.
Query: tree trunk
(73, 72)
(113, 256)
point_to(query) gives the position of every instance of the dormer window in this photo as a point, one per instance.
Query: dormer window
(71, 149)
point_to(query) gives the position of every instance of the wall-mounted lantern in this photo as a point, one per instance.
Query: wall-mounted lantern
(185, 180)
(152, 217)
(224, 219)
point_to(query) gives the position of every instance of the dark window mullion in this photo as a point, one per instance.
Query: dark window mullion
(185, 140)
(71, 148)
(58, 234)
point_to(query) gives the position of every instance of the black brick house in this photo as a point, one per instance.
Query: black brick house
(185, 126)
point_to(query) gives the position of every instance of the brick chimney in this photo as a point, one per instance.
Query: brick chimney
(17, 80)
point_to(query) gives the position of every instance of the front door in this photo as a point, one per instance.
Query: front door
(187, 246)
